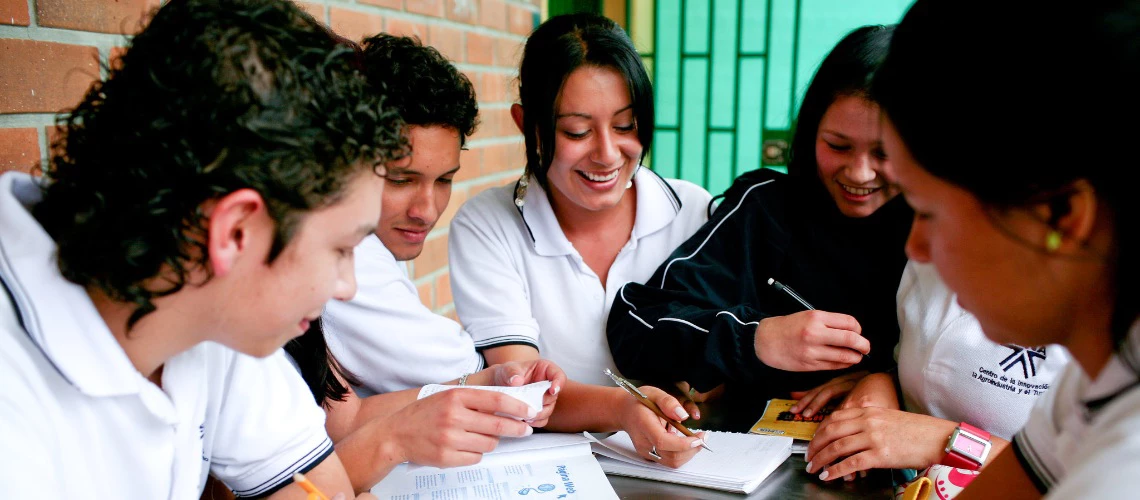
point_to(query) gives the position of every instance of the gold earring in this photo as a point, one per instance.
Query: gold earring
(1053, 241)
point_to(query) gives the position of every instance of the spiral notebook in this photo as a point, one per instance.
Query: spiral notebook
(740, 463)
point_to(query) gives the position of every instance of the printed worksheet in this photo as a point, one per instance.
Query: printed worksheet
(567, 470)
(531, 394)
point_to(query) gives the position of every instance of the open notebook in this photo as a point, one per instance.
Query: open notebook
(740, 463)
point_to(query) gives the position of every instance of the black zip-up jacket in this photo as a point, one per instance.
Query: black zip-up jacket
(695, 320)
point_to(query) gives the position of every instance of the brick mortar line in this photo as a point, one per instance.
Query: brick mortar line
(69, 37)
(486, 68)
(439, 21)
(496, 141)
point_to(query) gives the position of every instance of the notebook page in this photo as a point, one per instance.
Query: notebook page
(738, 457)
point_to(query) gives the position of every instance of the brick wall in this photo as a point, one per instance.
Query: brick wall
(50, 52)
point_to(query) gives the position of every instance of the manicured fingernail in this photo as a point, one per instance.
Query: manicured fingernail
(807, 412)
(849, 478)
(557, 388)
(696, 443)
(697, 414)
(823, 475)
(529, 431)
(515, 379)
(681, 413)
(794, 409)
(531, 413)
(808, 468)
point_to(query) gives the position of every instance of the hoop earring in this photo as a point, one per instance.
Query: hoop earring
(1053, 241)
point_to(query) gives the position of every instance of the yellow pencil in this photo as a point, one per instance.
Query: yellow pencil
(310, 488)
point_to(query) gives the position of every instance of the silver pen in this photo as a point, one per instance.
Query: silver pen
(643, 399)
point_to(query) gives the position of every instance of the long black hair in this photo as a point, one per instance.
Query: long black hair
(1034, 98)
(559, 46)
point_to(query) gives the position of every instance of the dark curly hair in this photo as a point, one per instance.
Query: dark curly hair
(211, 97)
(420, 84)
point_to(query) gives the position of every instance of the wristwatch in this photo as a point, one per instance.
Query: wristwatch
(967, 447)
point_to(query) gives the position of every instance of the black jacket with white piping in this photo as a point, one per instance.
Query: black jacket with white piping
(695, 320)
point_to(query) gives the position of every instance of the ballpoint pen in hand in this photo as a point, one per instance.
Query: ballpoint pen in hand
(792, 293)
(643, 399)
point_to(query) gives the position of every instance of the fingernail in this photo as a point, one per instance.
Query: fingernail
(807, 412)
(529, 431)
(339, 496)
(794, 409)
(696, 443)
(557, 388)
(531, 413)
(681, 413)
(515, 379)
(823, 475)
(697, 414)
(808, 468)
(848, 478)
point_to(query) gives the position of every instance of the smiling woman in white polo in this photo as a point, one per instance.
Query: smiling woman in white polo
(535, 265)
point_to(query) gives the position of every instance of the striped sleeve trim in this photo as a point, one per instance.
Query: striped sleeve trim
(1032, 464)
(493, 342)
(285, 477)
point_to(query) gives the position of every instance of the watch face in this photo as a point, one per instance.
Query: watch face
(968, 446)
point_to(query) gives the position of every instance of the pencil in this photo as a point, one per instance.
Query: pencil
(648, 403)
(310, 488)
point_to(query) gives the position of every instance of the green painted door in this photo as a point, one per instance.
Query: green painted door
(728, 74)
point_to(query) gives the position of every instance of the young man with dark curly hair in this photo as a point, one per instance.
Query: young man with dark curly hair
(385, 343)
(200, 207)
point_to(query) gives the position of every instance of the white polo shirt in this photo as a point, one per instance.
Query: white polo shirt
(949, 369)
(78, 421)
(518, 280)
(1083, 438)
(389, 339)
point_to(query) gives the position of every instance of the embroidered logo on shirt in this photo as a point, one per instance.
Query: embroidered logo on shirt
(1025, 357)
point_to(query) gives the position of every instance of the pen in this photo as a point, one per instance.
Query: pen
(792, 293)
(643, 399)
(310, 488)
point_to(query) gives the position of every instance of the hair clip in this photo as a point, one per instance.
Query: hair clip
(520, 191)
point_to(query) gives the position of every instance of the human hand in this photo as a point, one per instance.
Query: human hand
(649, 432)
(810, 341)
(455, 427)
(810, 402)
(859, 439)
(516, 373)
(692, 397)
(876, 389)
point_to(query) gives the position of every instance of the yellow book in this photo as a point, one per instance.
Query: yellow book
(778, 420)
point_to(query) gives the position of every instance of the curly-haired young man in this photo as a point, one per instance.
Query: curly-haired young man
(200, 207)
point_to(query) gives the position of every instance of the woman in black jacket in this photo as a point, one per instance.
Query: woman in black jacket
(832, 228)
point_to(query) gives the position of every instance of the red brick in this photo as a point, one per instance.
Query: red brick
(433, 258)
(493, 14)
(425, 7)
(44, 77)
(494, 88)
(387, 4)
(480, 49)
(503, 158)
(14, 12)
(521, 21)
(443, 290)
(20, 150)
(314, 9)
(452, 315)
(476, 81)
(464, 11)
(354, 25)
(449, 41)
(470, 164)
(508, 52)
(403, 27)
(424, 291)
(120, 16)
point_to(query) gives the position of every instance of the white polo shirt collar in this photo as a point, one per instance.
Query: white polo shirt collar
(657, 206)
(70, 338)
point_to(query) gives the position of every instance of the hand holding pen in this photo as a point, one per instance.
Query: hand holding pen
(652, 439)
(811, 340)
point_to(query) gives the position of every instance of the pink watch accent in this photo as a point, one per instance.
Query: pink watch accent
(967, 447)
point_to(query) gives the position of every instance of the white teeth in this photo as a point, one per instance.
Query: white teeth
(858, 191)
(601, 178)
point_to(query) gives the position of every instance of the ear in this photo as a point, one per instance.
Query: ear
(233, 221)
(1074, 214)
(517, 115)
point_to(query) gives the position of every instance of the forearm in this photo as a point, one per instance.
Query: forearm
(368, 455)
(585, 407)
